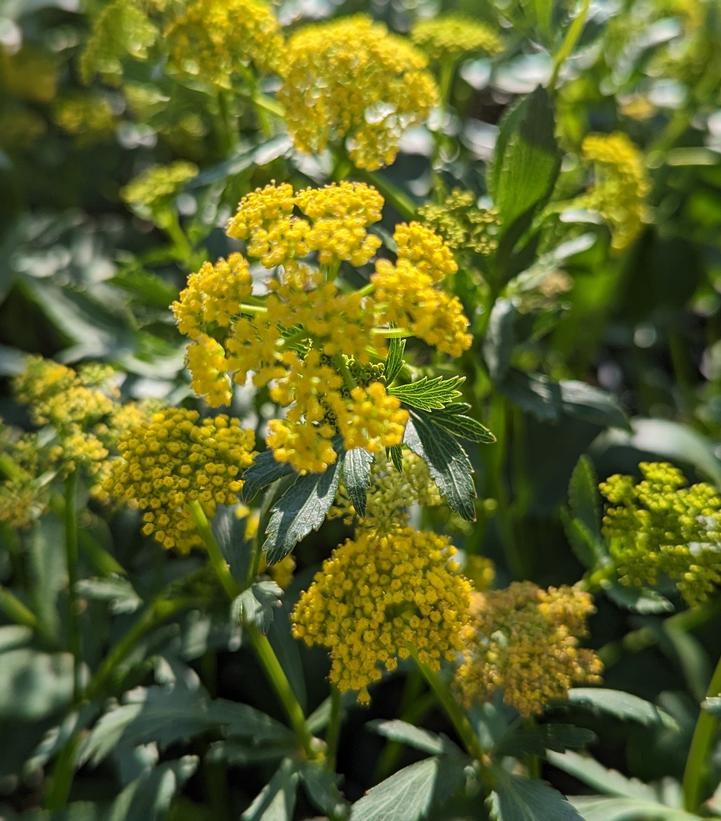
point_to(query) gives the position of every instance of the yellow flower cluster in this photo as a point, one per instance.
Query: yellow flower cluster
(620, 186)
(173, 460)
(121, 29)
(463, 226)
(391, 494)
(382, 597)
(309, 337)
(662, 527)
(24, 489)
(351, 80)
(523, 641)
(158, 183)
(89, 117)
(451, 37)
(216, 40)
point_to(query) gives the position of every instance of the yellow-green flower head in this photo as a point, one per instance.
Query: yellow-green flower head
(351, 80)
(454, 36)
(24, 489)
(620, 185)
(463, 226)
(480, 571)
(176, 459)
(121, 29)
(157, 184)
(661, 528)
(217, 40)
(524, 642)
(28, 74)
(87, 116)
(384, 597)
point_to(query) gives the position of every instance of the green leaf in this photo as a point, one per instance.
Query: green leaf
(645, 601)
(394, 359)
(595, 808)
(241, 753)
(229, 532)
(499, 339)
(263, 472)
(454, 420)
(520, 799)
(539, 738)
(396, 456)
(582, 401)
(149, 796)
(413, 736)
(429, 394)
(595, 775)
(712, 705)
(167, 715)
(410, 794)
(662, 437)
(276, 801)
(257, 604)
(287, 649)
(48, 572)
(526, 160)
(448, 464)
(321, 787)
(357, 476)
(299, 510)
(589, 550)
(623, 706)
(583, 497)
(34, 685)
(116, 590)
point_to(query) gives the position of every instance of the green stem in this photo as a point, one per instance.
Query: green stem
(398, 199)
(366, 290)
(71, 558)
(263, 649)
(281, 685)
(453, 710)
(252, 309)
(392, 333)
(333, 732)
(569, 42)
(699, 754)
(16, 611)
(170, 223)
(268, 104)
(217, 560)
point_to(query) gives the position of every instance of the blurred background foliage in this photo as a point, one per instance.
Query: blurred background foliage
(590, 348)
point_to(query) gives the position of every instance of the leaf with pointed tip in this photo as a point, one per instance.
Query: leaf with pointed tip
(413, 736)
(357, 476)
(262, 473)
(447, 462)
(276, 801)
(429, 394)
(520, 799)
(619, 704)
(454, 420)
(394, 359)
(583, 497)
(598, 777)
(597, 808)
(301, 509)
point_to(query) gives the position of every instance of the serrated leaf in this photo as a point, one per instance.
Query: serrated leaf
(167, 715)
(521, 799)
(498, 341)
(429, 394)
(413, 736)
(539, 738)
(589, 550)
(301, 509)
(357, 476)
(321, 786)
(262, 473)
(276, 801)
(595, 808)
(394, 359)
(409, 794)
(645, 601)
(454, 420)
(256, 605)
(447, 462)
(396, 456)
(621, 705)
(527, 159)
(595, 775)
(583, 497)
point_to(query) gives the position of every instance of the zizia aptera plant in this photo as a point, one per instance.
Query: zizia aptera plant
(360, 412)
